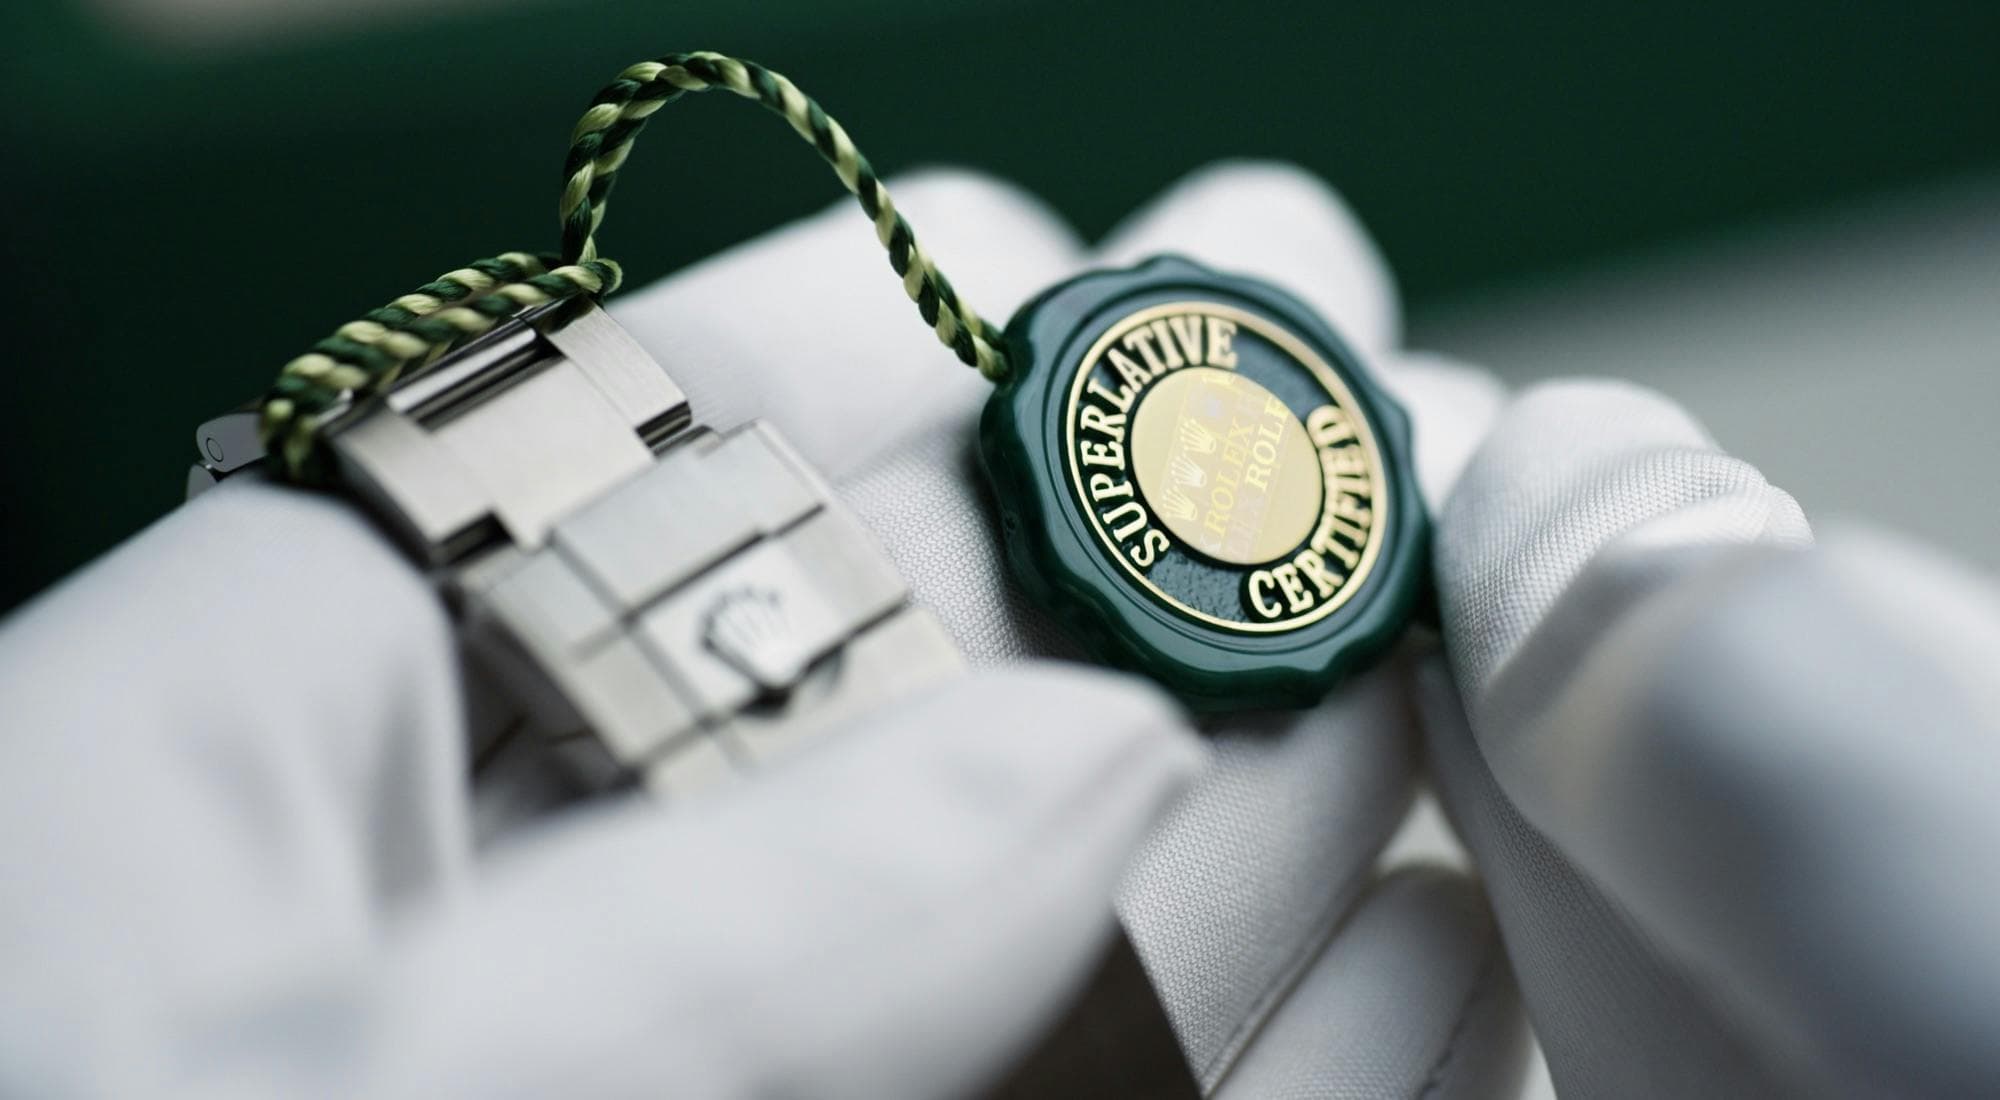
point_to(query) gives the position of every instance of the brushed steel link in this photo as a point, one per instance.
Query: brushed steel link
(545, 600)
(767, 479)
(904, 653)
(656, 530)
(625, 700)
(897, 657)
(650, 403)
(544, 447)
(846, 566)
(478, 573)
(427, 496)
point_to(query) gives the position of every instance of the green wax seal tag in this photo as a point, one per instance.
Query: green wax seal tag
(1201, 481)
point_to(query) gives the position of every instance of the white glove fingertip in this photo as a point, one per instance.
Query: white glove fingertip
(1584, 483)
(891, 915)
(1276, 222)
(1452, 406)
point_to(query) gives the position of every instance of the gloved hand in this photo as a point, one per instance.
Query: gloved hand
(250, 866)
(240, 853)
(1732, 794)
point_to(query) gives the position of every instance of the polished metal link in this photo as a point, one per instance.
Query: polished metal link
(701, 603)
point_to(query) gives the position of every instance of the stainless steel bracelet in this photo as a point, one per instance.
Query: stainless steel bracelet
(699, 602)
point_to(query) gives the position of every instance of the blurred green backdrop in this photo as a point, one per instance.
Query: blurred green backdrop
(196, 188)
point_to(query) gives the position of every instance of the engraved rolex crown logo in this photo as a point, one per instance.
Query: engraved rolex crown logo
(1197, 439)
(1175, 505)
(752, 629)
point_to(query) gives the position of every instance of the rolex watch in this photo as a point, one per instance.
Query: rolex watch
(696, 602)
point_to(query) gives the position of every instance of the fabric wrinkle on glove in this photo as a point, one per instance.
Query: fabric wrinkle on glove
(1728, 789)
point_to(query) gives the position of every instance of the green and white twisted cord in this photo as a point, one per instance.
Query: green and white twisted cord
(604, 136)
(363, 357)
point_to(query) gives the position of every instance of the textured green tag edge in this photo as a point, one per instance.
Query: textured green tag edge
(1053, 556)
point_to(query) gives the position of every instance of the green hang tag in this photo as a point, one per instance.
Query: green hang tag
(1200, 481)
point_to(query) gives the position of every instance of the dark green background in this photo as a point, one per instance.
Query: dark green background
(180, 220)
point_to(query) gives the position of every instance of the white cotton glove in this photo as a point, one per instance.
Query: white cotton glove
(236, 847)
(1733, 795)
(239, 849)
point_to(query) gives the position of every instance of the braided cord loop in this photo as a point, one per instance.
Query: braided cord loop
(604, 136)
(365, 356)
